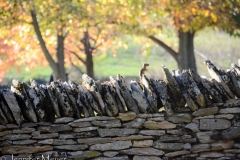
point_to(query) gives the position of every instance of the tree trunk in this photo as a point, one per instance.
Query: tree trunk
(60, 73)
(185, 57)
(88, 51)
(89, 65)
(57, 67)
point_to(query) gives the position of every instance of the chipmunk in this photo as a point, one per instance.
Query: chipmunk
(143, 70)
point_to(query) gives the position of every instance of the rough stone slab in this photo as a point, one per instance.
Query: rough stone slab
(86, 134)
(127, 116)
(214, 124)
(117, 145)
(74, 153)
(46, 136)
(177, 153)
(14, 137)
(35, 133)
(67, 136)
(29, 125)
(13, 105)
(187, 146)
(222, 144)
(23, 130)
(200, 148)
(72, 147)
(193, 126)
(5, 143)
(232, 151)
(180, 118)
(87, 155)
(143, 143)
(189, 140)
(133, 137)
(46, 141)
(84, 129)
(44, 129)
(51, 153)
(225, 116)
(186, 136)
(146, 158)
(112, 158)
(94, 140)
(142, 152)
(25, 149)
(168, 146)
(12, 126)
(194, 120)
(189, 156)
(99, 118)
(204, 117)
(63, 120)
(2, 127)
(175, 132)
(158, 119)
(107, 124)
(4, 133)
(110, 153)
(64, 142)
(80, 124)
(205, 111)
(24, 142)
(116, 132)
(44, 124)
(144, 116)
(231, 133)
(169, 138)
(159, 125)
(204, 137)
(60, 128)
(136, 123)
(236, 145)
(229, 155)
(229, 110)
(152, 132)
(211, 154)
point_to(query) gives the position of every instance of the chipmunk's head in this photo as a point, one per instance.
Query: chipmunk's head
(209, 64)
(145, 64)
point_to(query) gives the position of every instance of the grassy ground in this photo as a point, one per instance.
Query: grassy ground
(215, 45)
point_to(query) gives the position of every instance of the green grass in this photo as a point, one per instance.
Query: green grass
(38, 73)
(128, 63)
(216, 45)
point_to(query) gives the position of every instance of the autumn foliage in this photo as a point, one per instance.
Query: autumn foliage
(62, 33)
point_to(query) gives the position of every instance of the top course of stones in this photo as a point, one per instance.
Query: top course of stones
(179, 92)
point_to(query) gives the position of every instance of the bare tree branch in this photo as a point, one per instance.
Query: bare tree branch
(165, 46)
(97, 46)
(95, 40)
(78, 57)
(75, 66)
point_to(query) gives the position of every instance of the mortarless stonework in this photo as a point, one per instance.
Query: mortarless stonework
(108, 121)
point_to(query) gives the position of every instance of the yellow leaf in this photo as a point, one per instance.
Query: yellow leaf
(214, 17)
(206, 13)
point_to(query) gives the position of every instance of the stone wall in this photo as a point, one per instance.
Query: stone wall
(184, 116)
(209, 133)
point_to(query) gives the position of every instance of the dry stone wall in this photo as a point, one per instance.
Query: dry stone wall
(208, 133)
(184, 116)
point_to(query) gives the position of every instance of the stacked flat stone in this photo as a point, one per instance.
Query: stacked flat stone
(107, 120)
(208, 133)
(179, 92)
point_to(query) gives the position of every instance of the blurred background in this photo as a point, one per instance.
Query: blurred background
(63, 39)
